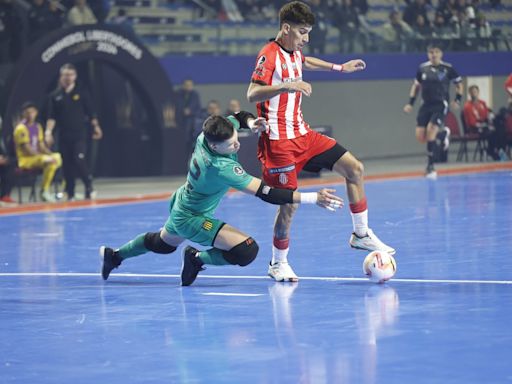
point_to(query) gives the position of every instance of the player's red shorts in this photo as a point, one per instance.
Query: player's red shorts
(282, 160)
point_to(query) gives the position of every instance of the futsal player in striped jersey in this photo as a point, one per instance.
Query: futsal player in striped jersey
(290, 145)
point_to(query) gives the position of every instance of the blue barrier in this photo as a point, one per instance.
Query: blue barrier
(238, 69)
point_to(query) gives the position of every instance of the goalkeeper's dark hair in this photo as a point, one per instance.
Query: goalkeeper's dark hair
(296, 13)
(217, 129)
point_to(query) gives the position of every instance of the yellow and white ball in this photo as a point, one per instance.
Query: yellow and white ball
(379, 266)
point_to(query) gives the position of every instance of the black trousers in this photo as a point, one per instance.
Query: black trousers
(74, 164)
(6, 179)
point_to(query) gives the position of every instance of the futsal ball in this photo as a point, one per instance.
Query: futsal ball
(379, 266)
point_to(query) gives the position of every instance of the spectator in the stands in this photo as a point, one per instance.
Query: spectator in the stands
(478, 120)
(123, 21)
(448, 9)
(508, 88)
(423, 32)
(100, 9)
(81, 14)
(233, 107)
(43, 18)
(346, 20)
(318, 35)
(442, 29)
(411, 12)
(396, 33)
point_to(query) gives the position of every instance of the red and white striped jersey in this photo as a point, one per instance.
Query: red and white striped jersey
(275, 65)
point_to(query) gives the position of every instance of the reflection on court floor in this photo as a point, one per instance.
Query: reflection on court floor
(443, 319)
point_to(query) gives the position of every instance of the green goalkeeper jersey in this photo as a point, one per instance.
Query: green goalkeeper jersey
(209, 177)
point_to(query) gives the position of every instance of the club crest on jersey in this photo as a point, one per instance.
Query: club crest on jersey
(238, 170)
(207, 225)
(283, 179)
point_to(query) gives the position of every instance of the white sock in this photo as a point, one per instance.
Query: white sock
(279, 255)
(360, 223)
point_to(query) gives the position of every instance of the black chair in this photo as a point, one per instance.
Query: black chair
(26, 177)
(478, 137)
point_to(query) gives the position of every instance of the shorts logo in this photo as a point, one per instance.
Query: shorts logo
(288, 168)
(283, 179)
(207, 225)
(238, 170)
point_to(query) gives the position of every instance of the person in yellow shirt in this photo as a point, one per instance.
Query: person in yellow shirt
(32, 152)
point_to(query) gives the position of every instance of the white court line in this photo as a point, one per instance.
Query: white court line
(232, 294)
(157, 275)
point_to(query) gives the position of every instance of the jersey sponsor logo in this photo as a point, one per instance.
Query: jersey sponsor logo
(207, 225)
(283, 179)
(288, 168)
(238, 170)
(260, 70)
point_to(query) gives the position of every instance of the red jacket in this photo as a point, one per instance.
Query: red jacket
(475, 113)
(508, 85)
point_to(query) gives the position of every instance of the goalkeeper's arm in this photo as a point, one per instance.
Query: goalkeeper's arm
(280, 196)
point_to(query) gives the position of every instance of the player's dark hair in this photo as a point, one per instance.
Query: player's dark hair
(434, 45)
(68, 66)
(474, 86)
(297, 13)
(217, 129)
(27, 105)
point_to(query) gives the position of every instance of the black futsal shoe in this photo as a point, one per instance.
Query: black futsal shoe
(192, 265)
(110, 259)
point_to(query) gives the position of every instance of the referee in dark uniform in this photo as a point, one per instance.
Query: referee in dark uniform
(71, 112)
(434, 78)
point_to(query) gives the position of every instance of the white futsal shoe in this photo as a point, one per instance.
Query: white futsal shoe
(281, 271)
(370, 242)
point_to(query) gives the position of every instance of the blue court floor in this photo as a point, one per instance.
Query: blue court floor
(445, 318)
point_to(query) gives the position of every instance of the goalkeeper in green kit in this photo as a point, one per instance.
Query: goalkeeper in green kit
(213, 169)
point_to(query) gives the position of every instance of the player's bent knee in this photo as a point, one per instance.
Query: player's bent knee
(154, 243)
(242, 254)
(356, 171)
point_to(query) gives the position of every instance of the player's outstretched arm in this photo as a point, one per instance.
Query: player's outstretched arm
(248, 121)
(279, 196)
(315, 64)
(412, 96)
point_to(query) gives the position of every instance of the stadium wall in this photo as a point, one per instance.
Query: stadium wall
(364, 109)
